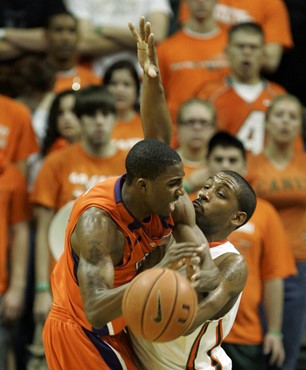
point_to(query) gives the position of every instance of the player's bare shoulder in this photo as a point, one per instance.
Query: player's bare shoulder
(95, 235)
(234, 270)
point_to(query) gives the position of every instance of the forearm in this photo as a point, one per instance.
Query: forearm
(273, 304)
(19, 255)
(42, 251)
(27, 39)
(97, 45)
(8, 51)
(104, 305)
(156, 120)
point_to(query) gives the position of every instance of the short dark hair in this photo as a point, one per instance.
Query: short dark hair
(191, 101)
(246, 195)
(93, 98)
(122, 64)
(226, 140)
(249, 27)
(58, 14)
(149, 159)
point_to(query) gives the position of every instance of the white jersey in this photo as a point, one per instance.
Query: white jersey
(199, 350)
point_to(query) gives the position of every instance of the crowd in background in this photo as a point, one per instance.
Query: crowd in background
(234, 77)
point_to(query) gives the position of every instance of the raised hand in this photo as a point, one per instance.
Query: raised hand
(145, 47)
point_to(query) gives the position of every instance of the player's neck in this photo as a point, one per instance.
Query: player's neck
(248, 80)
(202, 26)
(134, 203)
(279, 155)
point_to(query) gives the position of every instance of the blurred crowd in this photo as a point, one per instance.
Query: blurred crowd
(234, 77)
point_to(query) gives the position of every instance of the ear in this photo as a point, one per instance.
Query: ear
(141, 185)
(239, 219)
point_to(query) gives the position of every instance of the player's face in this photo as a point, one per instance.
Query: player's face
(62, 36)
(245, 54)
(284, 121)
(67, 122)
(197, 126)
(165, 190)
(216, 204)
(226, 158)
(122, 86)
(97, 128)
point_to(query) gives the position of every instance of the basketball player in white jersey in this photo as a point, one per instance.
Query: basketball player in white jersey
(225, 203)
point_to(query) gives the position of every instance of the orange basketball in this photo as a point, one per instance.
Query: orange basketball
(159, 305)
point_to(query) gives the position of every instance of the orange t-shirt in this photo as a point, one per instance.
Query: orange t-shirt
(286, 190)
(14, 208)
(140, 240)
(272, 15)
(127, 133)
(17, 138)
(188, 60)
(265, 246)
(69, 172)
(78, 78)
(244, 119)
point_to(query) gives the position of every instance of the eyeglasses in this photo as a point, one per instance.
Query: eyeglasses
(193, 122)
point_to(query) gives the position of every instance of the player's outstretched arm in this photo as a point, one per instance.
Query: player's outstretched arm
(156, 121)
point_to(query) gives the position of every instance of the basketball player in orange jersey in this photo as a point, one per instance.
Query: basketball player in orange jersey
(112, 229)
(225, 203)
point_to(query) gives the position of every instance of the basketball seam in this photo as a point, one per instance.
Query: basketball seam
(173, 308)
(146, 301)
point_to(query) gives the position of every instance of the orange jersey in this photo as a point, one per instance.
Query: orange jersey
(188, 60)
(17, 138)
(140, 240)
(14, 208)
(69, 172)
(286, 190)
(244, 119)
(75, 79)
(127, 133)
(272, 15)
(265, 246)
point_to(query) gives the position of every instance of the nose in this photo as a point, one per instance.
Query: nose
(180, 191)
(204, 194)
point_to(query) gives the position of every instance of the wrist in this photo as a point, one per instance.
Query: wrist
(275, 333)
(42, 287)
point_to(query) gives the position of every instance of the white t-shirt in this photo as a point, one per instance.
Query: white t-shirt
(115, 13)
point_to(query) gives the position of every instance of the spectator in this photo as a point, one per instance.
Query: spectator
(123, 82)
(14, 246)
(17, 138)
(63, 126)
(196, 124)
(69, 172)
(241, 99)
(265, 246)
(62, 54)
(278, 175)
(192, 56)
(103, 27)
(22, 26)
(272, 16)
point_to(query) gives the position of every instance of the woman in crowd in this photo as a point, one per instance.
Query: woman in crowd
(279, 176)
(123, 82)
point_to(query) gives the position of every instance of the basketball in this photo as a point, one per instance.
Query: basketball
(159, 305)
